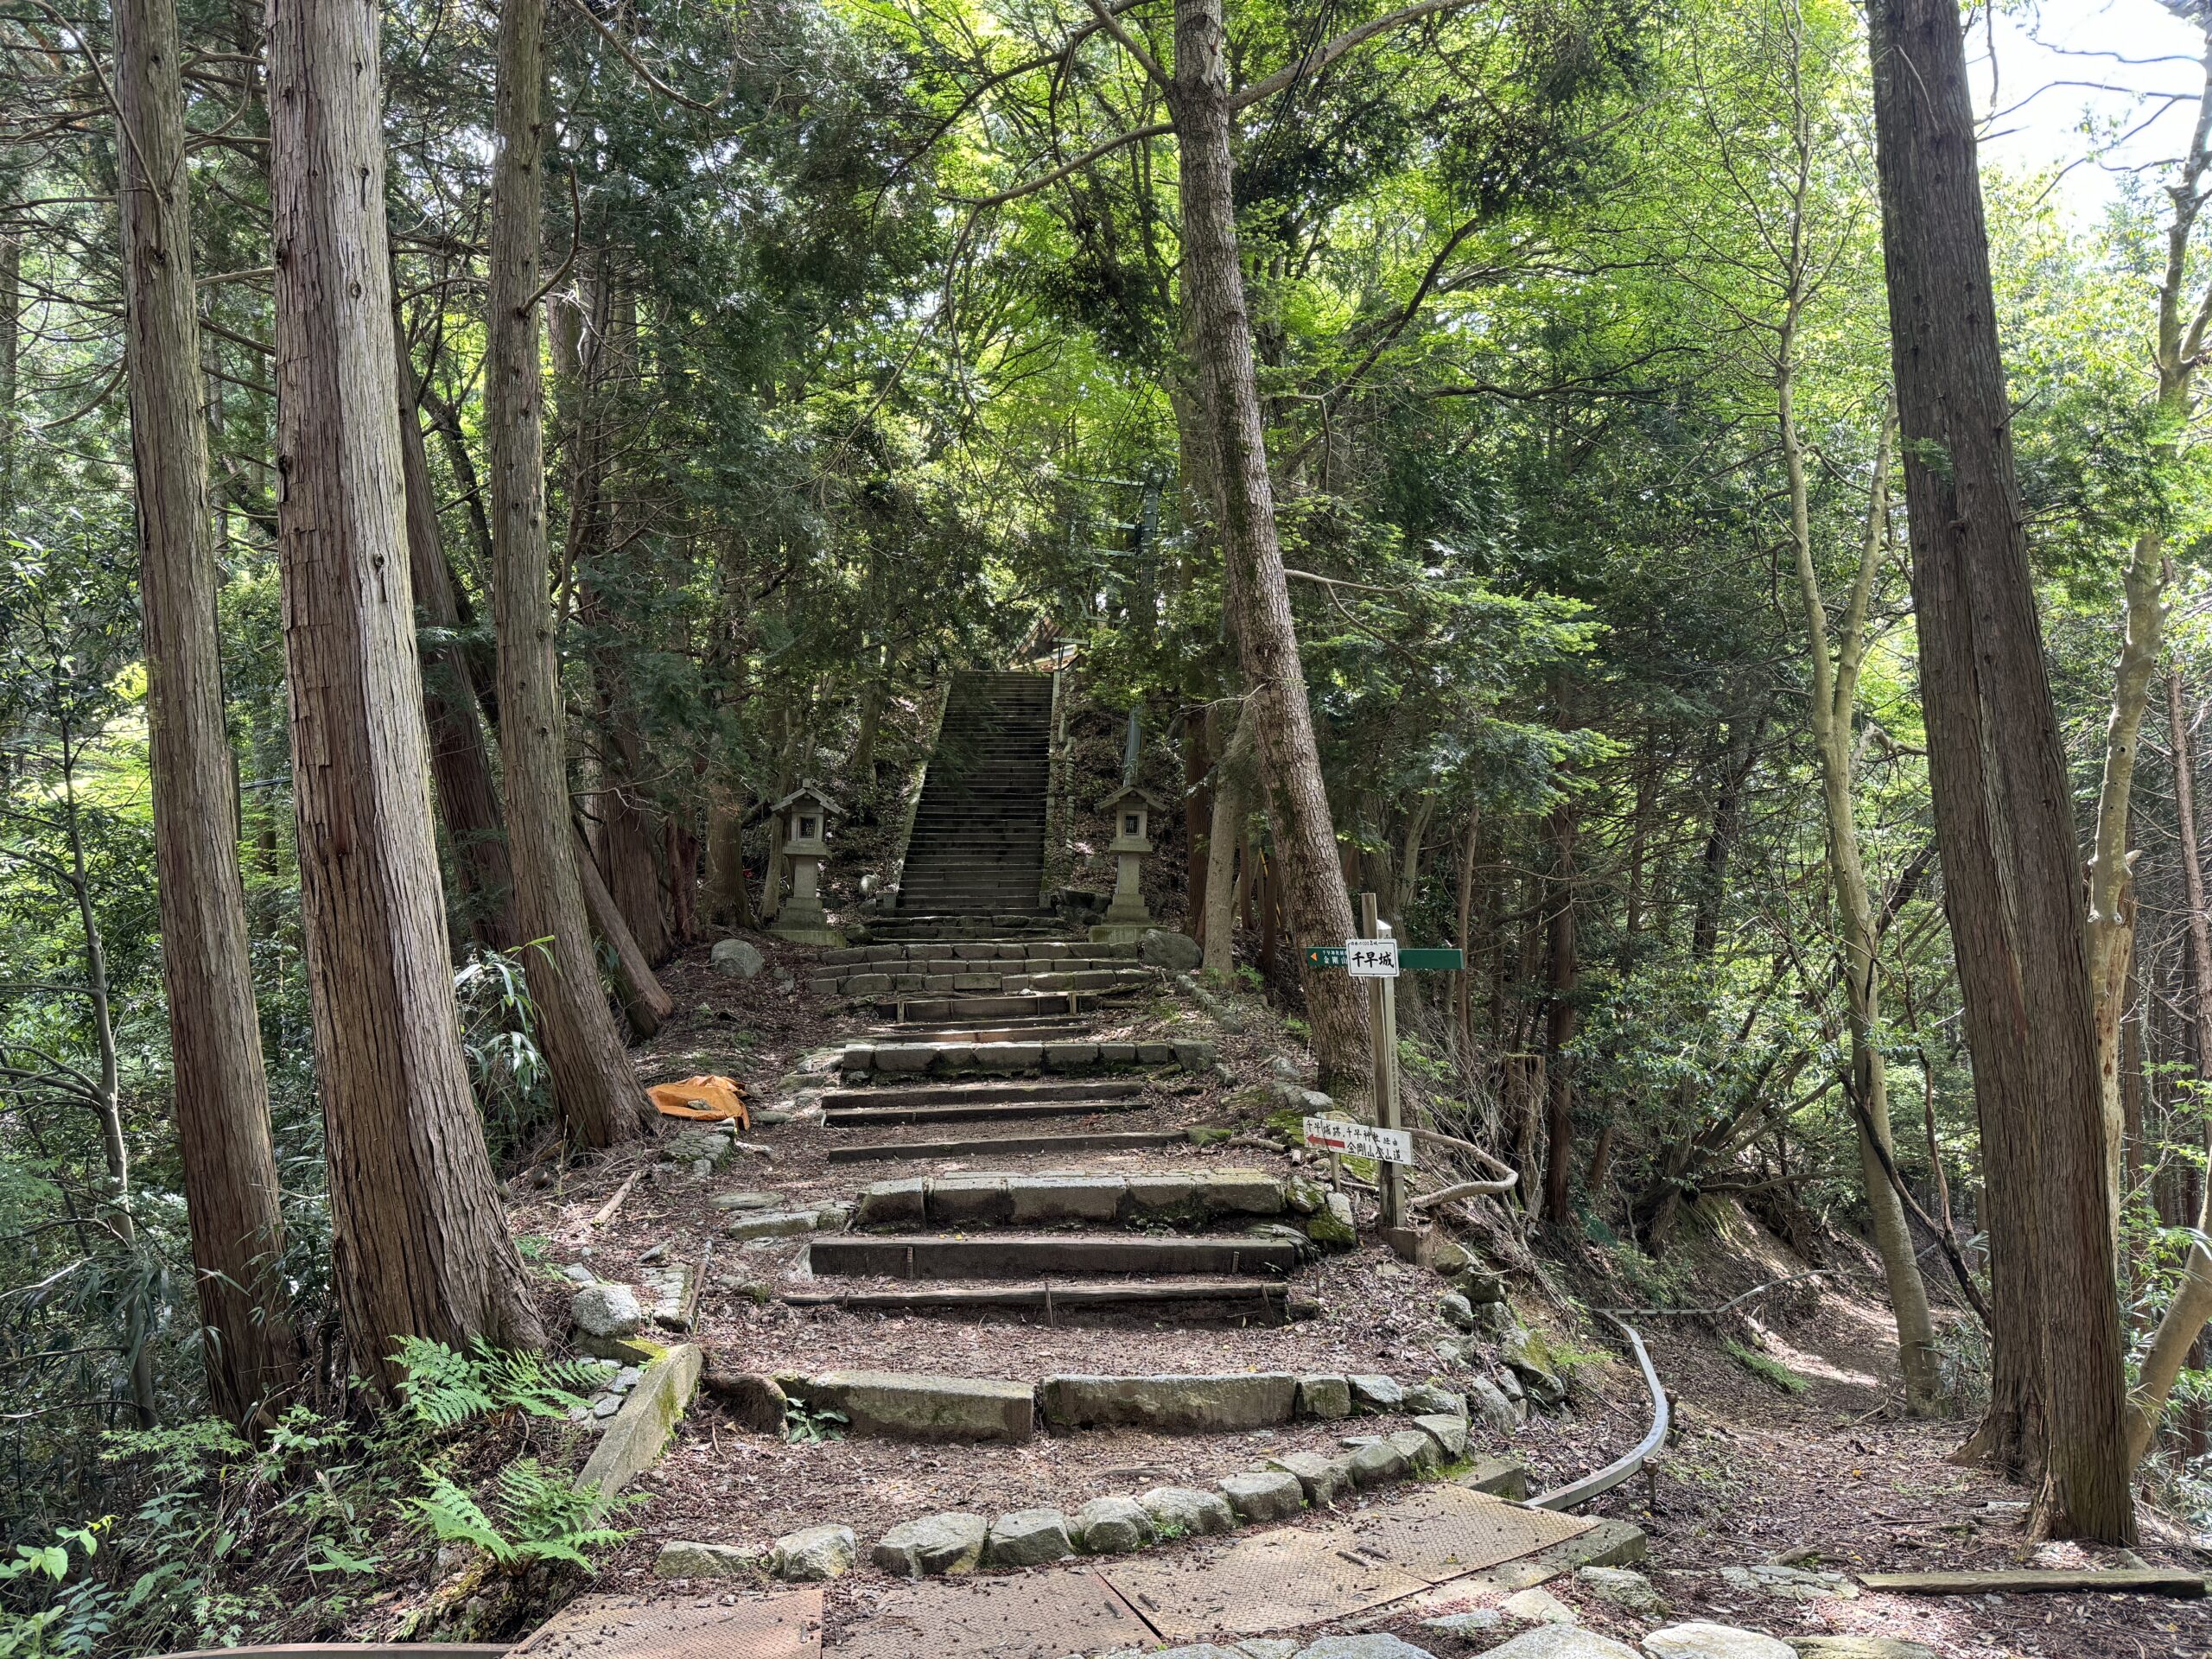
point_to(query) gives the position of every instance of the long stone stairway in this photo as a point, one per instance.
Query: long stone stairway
(977, 847)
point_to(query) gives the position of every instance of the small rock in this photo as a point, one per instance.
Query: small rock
(1629, 1591)
(1538, 1607)
(745, 1200)
(1112, 1526)
(607, 1404)
(1376, 1394)
(1376, 1462)
(1477, 1621)
(1415, 1446)
(1522, 1352)
(678, 1560)
(1447, 1430)
(1177, 952)
(951, 1542)
(1458, 1313)
(575, 1272)
(1789, 1583)
(1273, 1495)
(1698, 1640)
(771, 1223)
(696, 1143)
(1562, 1641)
(654, 1253)
(1304, 1196)
(1425, 1397)
(606, 1310)
(1859, 1647)
(817, 1553)
(737, 956)
(1183, 1511)
(1029, 1538)
(1324, 1398)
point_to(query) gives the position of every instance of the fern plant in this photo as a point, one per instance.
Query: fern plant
(444, 1389)
(541, 1516)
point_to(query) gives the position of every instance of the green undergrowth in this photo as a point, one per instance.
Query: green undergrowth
(298, 1536)
(1766, 1368)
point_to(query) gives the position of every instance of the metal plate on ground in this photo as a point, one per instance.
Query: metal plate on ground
(637, 1627)
(1437, 1533)
(1265, 1581)
(1035, 1616)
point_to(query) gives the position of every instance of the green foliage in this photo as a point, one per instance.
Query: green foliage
(443, 1389)
(538, 1514)
(806, 1425)
(47, 1620)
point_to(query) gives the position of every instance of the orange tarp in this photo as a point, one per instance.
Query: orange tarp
(714, 1098)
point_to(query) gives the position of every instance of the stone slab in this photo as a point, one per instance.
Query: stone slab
(905, 1406)
(1225, 1402)
(637, 1433)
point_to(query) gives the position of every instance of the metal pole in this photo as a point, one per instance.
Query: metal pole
(1382, 1023)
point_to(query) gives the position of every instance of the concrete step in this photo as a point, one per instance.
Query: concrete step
(945, 1059)
(1007, 1146)
(1026, 1032)
(984, 1198)
(1188, 1300)
(1008, 1111)
(1001, 1256)
(943, 1094)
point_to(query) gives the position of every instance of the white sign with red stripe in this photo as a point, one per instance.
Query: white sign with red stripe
(1359, 1140)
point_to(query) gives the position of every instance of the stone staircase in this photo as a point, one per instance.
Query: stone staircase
(977, 847)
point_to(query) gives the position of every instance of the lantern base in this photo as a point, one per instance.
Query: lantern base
(1121, 932)
(803, 921)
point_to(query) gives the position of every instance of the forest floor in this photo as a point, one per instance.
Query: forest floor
(1816, 1463)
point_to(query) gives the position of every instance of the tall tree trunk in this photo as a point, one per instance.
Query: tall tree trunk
(1231, 772)
(593, 1083)
(11, 349)
(221, 1088)
(1997, 763)
(1831, 709)
(1561, 1015)
(460, 764)
(1463, 998)
(646, 1001)
(1316, 904)
(419, 1245)
(2181, 1326)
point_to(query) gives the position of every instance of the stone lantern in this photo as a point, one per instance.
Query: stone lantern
(1126, 917)
(803, 816)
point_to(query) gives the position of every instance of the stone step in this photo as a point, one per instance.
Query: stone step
(942, 1094)
(905, 1406)
(916, 1005)
(945, 1059)
(853, 958)
(1007, 1145)
(1187, 1300)
(857, 1256)
(1010, 1111)
(1026, 1032)
(985, 1199)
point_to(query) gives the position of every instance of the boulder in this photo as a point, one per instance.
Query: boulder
(1183, 1511)
(697, 1143)
(1333, 1226)
(1376, 1462)
(1468, 1627)
(1029, 1538)
(1628, 1590)
(1490, 1404)
(1224, 1401)
(1523, 1355)
(899, 1406)
(1376, 1393)
(1323, 1480)
(1859, 1647)
(1458, 1313)
(1305, 1195)
(814, 1554)
(1700, 1640)
(1447, 1430)
(1788, 1583)
(678, 1560)
(1177, 952)
(1112, 1526)
(1324, 1398)
(737, 956)
(1562, 1641)
(1538, 1607)
(756, 1402)
(606, 1310)
(1272, 1495)
(1373, 1645)
(1432, 1397)
(951, 1542)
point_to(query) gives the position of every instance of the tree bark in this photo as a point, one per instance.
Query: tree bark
(2012, 888)
(419, 1244)
(219, 1089)
(2184, 1321)
(461, 764)
(593, 1085)
(1226, 831)
(1316, 904)
(1561, 1015)
(646, 1001)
